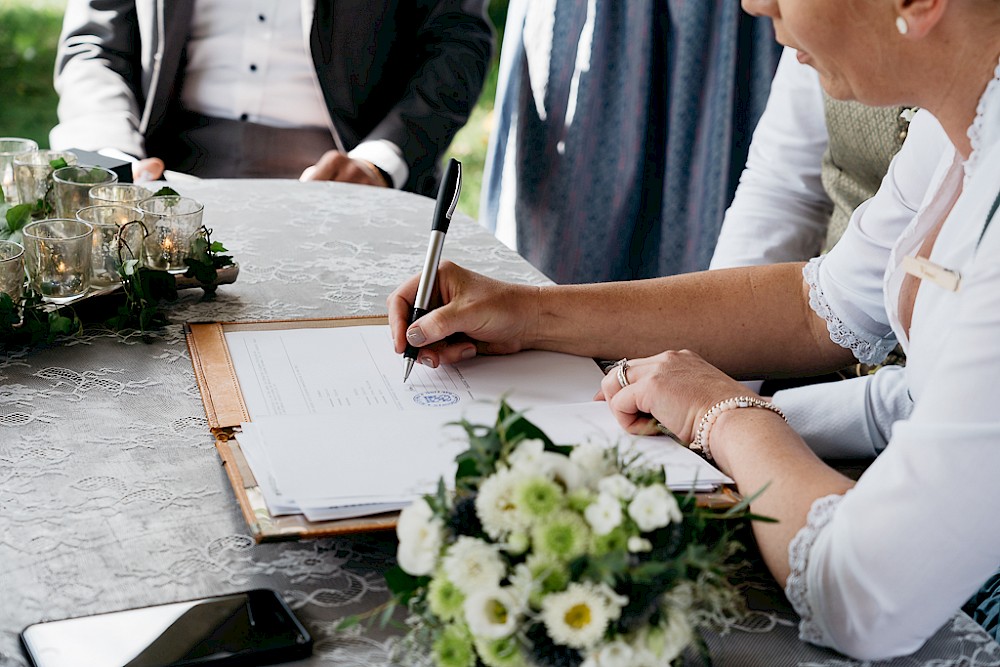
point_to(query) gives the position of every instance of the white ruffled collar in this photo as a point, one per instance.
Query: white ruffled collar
(985, 126)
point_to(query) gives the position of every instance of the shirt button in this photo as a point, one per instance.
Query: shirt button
(244, 116)
(253, 68)
(261, 18)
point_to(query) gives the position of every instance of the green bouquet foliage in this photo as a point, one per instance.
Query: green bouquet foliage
(559, 555)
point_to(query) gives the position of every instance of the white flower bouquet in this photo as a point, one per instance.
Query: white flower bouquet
(561, 556)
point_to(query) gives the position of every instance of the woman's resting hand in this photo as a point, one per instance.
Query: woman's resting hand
(676, 388)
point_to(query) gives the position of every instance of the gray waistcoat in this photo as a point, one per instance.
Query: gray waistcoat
(863, 141)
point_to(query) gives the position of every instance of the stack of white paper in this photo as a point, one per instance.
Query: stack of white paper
(335, 433)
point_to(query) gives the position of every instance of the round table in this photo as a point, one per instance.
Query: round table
(112, 494)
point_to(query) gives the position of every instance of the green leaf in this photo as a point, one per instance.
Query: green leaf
(166, 192)
(8, 315)
(18, 216)
(217, 247)
(386, 614)
(744, 504)
(60, 325)
(348, 622)
(58, 163)
(404, 585)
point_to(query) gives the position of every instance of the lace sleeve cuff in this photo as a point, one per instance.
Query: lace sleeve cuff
(867, 349)
(798, 559)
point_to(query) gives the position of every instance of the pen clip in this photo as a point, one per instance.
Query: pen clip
(458, 190)
(447, 198)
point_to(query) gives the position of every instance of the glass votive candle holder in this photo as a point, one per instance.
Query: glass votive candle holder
(9, 147)
(115, 240)
(118, 193)
(172, 223)
(72, 187)
(12, 270)
(33, 175)
(57, 258)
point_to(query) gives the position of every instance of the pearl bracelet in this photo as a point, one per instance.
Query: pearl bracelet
(700, 441)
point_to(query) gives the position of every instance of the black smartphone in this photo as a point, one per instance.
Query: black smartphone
(250, 628)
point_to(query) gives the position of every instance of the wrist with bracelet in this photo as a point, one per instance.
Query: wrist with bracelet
(700, 441)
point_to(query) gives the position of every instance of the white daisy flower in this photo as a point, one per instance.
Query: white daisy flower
(563, 471)
(618, 486)
(492, 614)
(654, 507)
(667, 641)
(473, 565)
(638, 544)
(527, 456)
(678, 634)
(576, 617)
(592, 459)
(614, 654)
(604, 514)
(420, 536)
(496, 505)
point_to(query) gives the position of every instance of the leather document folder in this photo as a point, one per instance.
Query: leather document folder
(306, 383)
(226, 410)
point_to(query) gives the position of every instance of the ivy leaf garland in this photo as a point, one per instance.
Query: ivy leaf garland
(205, 260)
(37, 326)
(144, 290)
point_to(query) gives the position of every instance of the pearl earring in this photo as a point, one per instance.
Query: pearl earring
(902, 26)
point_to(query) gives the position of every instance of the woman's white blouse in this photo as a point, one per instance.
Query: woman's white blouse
(879, 570)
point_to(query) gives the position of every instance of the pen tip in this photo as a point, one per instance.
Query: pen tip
(407, 367)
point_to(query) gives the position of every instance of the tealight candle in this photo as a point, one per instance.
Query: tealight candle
(12, 270)
(114, 240)
(57, 258)
(72, 187)
(118, 193)
(33, 175)
(9, 147)
(172, 222)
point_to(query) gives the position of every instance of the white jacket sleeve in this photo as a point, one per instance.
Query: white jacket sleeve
(851, 418)
(780, 211)
(96, 69)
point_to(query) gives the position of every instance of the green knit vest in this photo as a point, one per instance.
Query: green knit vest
(862, 142)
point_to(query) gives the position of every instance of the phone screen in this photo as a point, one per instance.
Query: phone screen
(251, 628)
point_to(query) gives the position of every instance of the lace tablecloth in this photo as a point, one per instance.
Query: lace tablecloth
(111, 491)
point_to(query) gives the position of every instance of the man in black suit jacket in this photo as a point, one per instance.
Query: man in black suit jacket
(406, 72)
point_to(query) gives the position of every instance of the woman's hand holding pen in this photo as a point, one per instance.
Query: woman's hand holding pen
(495, 317)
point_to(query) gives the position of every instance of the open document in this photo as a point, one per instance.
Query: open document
(335, 433)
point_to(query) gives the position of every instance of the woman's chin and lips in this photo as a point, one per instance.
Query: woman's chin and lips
(833, 86)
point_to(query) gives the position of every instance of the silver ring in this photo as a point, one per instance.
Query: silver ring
(622, 369)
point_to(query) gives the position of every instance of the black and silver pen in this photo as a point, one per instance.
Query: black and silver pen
(447, 199)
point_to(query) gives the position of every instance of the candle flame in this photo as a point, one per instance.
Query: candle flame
(62, 267)
(168, 244)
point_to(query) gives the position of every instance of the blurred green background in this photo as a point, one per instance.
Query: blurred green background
(29, 31)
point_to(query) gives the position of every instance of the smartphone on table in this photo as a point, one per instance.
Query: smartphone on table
(249, 628)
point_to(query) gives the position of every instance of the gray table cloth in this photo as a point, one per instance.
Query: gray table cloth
(111, 492)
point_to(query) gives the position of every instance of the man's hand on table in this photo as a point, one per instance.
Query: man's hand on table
(145, 171)
(337, 166)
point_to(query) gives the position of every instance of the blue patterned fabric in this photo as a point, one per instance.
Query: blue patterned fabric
(632, 179)
(984, 607)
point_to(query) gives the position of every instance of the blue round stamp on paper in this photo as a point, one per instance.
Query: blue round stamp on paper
(435, 399)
